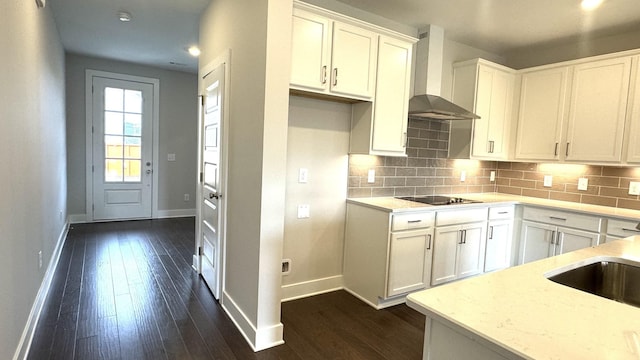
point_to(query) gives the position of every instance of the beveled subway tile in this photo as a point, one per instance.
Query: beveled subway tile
(524, 166)
(444, 172)
(354, 181)
(383, 171)
(461, 189)
(619, 171)
(408, 171)
(512, 174)
(591, 189)
(474, 188)
(509, 190)
(426, 171)
(417, 163)
(435, 181)
(382, 191)
(504, 165)
(554, 195)
(423, 191)
(395, 161)
(395, 181)
(443, 190)
(378, 182)
(529, 184)
(404, 191)
(416, 181)
(629, 204)
(616, 192)
(604, 181)
(359, 192)
(536, 193)
(533, 176)
(598, 200)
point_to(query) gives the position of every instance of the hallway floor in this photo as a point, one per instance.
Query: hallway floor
(126, 290)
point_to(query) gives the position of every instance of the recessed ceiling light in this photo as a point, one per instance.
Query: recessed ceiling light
(194, 51)
(124, 16)
(590, 4)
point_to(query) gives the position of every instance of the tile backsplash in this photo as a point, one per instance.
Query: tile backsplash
(427, 171)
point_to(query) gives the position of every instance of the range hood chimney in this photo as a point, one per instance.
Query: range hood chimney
(427, 102)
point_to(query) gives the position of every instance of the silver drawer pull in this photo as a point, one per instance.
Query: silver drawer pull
(632, 230)
(502, 212)
(557, 218)
(414, 221)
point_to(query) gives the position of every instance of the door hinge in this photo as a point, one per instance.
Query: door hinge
(201, 100)
(201, 177)
(199, 250)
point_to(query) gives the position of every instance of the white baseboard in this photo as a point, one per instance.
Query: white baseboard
(160, 214)
(311, 287)
(27, 334)
(258, 339)
(174, 213)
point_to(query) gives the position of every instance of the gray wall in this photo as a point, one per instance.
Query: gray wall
(33, 185)
(177, 132)
(318, 140)
(258, 34)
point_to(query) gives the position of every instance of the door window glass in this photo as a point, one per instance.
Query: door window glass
(122, 135)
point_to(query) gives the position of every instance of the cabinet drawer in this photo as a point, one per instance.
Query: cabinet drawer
(461, 216)
(501, 212)
(560, 218)
(622, 228)
(408, 221)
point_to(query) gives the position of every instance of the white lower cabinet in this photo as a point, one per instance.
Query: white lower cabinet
(619, 229)
(499, 238)
(386, 255)
(459, 244)
(546, 233)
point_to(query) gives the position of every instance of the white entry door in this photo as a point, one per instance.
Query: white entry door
(210, 214)
(122, 163)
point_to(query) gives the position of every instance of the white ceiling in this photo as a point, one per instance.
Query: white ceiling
(161, 30)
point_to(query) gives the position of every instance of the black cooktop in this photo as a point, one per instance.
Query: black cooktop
(439, 200)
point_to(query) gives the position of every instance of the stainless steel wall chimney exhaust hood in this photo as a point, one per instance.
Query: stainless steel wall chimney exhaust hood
(427, 103)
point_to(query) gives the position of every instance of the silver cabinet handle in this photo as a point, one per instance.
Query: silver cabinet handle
(429, 245)
(557, 218)
(414, 221)
(553, 238)
(632, 230)
(461, 236)
(555, 152)
(566, 153)
(335, 76)
(324, 74)
(490, 232)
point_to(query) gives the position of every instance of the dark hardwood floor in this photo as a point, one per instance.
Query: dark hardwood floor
(126, 290)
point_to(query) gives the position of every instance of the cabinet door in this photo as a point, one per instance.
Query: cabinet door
(409, 261)
(540, 118)
(392, 96)
(536, 241)
(470, 259)
(598, 111)
(498, 250)
(445, 247)
(633, 144)
(494, 91)
(572, 239)
(310, 45)
(353, 61)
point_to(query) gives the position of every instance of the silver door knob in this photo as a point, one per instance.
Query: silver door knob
(149, 171)
(214, 196)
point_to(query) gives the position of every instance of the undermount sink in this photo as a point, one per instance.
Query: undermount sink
(612, 278)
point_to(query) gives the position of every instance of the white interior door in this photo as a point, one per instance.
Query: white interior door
(210, 223)
(122, 163)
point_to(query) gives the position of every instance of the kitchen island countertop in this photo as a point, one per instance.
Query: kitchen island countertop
(519, 310)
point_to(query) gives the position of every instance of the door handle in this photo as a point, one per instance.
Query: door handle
(214, 196)
(429, 246)
(149, 171)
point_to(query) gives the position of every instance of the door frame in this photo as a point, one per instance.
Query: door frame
(224, 58)
(155, 118)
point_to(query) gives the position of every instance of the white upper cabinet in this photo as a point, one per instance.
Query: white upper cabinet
(310, 45)
(389, 135)
(574, 113)
(598, 111)
(543, 95)
(487, 89)
(633, 142)
(331, 57)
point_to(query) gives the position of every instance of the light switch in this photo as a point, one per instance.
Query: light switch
(463, 175)
(303, 175)
(492, 176)
(583, 183)
(548, 181)
(303, 211)
(634, 188)
(171, 157)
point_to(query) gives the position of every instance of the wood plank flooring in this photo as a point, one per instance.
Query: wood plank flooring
(126, 290)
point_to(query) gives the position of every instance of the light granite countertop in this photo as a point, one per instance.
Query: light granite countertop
(520, 310)
(395, 205)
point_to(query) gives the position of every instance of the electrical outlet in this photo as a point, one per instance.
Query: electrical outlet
(303, 211)
(548, 181)
(303, 175)
(583, 183)
(463, 175)
(286, 266)
(40, 259)
(492, 176)
(186, 197)
(371, 176)
(634, 188)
